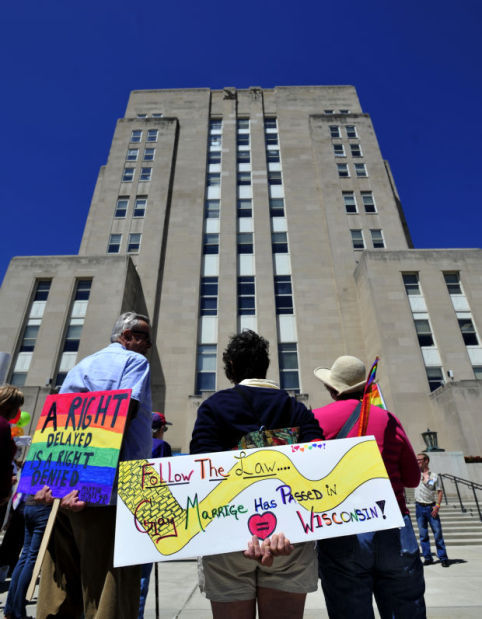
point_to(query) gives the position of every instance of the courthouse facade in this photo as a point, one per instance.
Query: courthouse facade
(274, 210)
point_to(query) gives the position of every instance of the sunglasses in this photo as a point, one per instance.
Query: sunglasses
(143, 335)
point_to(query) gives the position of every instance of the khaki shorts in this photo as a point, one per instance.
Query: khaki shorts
(231, 576)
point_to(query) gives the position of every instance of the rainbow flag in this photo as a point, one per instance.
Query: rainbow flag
(370, 388)
(76, 445)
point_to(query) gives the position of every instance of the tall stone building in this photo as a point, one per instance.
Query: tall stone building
(274, 210)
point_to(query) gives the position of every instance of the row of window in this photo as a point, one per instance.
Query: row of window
(360, 170)
(137, 135)
(355, 150)
(128, 175)
(133, 154)
(244, 208)
(358, 240)
(350, 202)
(245, 243)
(350, 131)
(122, 205)
(133, 243)
(344, 111)
(153, 115)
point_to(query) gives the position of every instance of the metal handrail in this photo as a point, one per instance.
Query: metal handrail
(464, 482)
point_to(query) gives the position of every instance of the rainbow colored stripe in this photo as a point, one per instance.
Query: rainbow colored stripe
(76, 445)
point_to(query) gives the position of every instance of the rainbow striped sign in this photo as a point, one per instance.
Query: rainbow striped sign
(76, 445)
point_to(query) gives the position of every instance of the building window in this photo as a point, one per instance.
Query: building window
(128, 175)
(270, 122)
(42, 290)
(377, 239)
(339, 150)
(211, 209)
(344, 111)
(279, 242)
(277, 207)
(244, 156)
(213, 179)
(114, 243)
(335, 131)
(134, 243)
(350, 202)
(343, 170)
(82, 291)
(468, 331)
(141, 115)
(206, 368)
(246, 296)
(72, 338)
(424, 332)
(211, 243)
(152, 135)
(477, 371)
(149, 154)
(245, 242)
(288, 367)
(209, 296)
(132, 154)
(18, 379)
(328, 111)
(274, 178)
(351, 131)
(410, 281)
(272, 154)
(215, 141)
(357, 239)
(245, 208)
(283, 294)
(136, 135)
(146, 174)
(244, 178)
(243, 124)
(271, 139)
(121, 207)
(214, 157)
(453, 283)
(356, 150)
(368, 202)
(157, 115)
(29, 337)
(242, 139)
(361, 169)
(140, 206)
(215, 125)
(435, 377)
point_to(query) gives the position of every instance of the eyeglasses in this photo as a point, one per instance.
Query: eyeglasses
(143, 335)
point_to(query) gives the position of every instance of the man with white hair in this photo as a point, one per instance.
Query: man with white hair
(387, 563)
(78, 578)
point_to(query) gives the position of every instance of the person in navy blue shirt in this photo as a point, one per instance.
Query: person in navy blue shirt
(160, 447)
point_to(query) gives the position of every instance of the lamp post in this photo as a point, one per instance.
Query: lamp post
(431, 441)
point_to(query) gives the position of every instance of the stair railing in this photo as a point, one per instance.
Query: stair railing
(463, 482)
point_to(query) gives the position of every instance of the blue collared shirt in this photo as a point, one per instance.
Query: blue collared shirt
(115, 367)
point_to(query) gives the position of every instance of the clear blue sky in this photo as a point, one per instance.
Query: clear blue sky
(67, 69)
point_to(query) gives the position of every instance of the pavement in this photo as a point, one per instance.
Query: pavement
(450, 592)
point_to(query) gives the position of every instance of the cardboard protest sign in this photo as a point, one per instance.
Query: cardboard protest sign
(172, 508)
(76, 445)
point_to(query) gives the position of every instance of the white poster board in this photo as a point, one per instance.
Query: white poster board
(173, 508)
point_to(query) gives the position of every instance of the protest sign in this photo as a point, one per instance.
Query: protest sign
(76, 445)
(172, 508)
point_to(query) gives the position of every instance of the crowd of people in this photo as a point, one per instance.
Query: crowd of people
(271, 577)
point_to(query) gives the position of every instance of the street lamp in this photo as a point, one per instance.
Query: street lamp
(431, 441)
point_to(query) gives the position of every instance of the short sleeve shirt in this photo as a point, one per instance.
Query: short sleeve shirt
(426, 492)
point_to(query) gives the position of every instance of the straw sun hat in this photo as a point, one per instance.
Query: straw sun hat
(346, 374)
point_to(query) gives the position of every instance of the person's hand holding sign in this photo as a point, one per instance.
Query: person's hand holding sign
(269, 548)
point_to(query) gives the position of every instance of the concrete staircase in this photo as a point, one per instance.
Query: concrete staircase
(459, 528)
